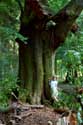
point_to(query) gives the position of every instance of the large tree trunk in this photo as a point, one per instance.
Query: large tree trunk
(36, 58)
(35, 67)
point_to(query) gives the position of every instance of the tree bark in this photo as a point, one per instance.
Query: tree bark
(26, 68)
(36, 58)
(38, 69)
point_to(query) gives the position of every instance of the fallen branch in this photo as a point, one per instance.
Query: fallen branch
(26, 115)
(27, 105)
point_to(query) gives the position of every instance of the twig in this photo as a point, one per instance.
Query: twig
(26, 115)
(12, 93)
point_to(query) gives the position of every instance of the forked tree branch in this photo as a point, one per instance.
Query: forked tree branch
(64, 20)
(37, 7)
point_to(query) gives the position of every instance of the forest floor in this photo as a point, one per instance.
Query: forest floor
(30, 115)
(40, 116)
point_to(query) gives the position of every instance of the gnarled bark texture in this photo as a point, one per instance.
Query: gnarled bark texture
(36, 57)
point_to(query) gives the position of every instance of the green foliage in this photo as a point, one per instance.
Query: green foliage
(9, 12)
(10, 34)
(7, 75)
(72, 57)
(9, 27)
(58, 4)
(23, 94)
(69, 62)
(7, 85)
(9, 20)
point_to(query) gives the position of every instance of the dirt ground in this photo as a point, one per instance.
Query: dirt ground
(41, 116)
(30, 115)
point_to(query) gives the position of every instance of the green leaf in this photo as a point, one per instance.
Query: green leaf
(13, 34)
